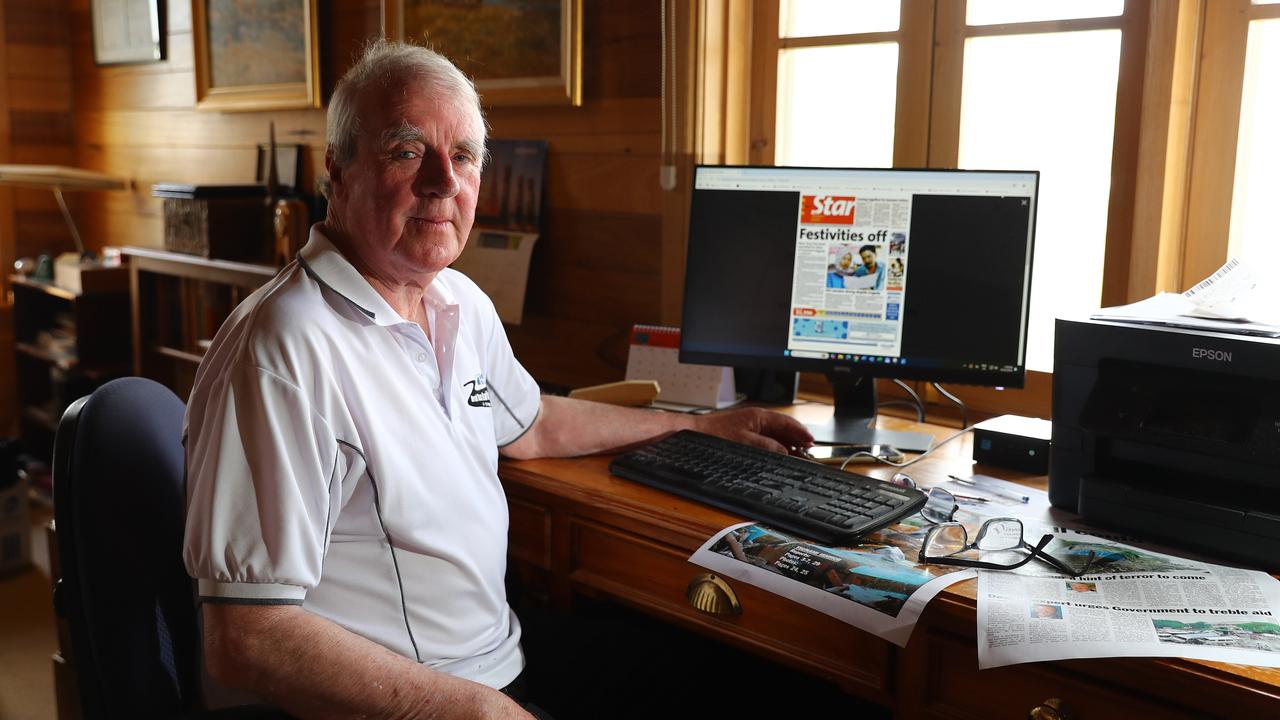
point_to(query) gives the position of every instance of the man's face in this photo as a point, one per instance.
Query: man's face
(846, 260)
(407, 201)
(868, 257)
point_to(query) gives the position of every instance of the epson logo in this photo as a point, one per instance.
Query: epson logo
(1209, 354)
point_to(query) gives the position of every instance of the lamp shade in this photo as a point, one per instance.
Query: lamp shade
(58, 178)
(47, 177)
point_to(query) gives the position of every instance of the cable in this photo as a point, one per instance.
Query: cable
(662, 82)
(666, 160)
(964, 412)
(903, 403)
(914, 396)
(912, 461)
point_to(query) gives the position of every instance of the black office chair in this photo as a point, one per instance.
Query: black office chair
(119, 509)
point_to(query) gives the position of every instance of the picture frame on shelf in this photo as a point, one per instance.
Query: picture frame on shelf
(256, 56)
(127, 31)
(288, 166)
(520, 53)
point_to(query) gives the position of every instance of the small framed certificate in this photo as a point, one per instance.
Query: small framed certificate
(126, 31)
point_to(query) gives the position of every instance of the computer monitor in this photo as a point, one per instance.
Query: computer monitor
(859, 274)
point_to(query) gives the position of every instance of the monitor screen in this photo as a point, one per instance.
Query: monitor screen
(912, 274)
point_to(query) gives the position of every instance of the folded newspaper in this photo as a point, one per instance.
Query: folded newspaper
(1137, 601)
(876, 586)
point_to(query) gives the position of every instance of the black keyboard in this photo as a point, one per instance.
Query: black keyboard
(788, 493)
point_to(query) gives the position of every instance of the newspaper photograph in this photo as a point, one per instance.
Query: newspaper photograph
(876, 586)
(1133, 602)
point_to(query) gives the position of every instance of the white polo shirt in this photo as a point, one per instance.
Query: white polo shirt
(340, 460)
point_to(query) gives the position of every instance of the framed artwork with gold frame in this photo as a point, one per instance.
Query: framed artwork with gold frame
(519, 52)
(262, 55)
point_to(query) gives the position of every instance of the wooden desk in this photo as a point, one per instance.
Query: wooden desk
(577, 531)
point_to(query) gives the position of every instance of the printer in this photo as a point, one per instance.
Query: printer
(1171, 434)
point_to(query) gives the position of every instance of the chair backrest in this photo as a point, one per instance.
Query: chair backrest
(119, 512)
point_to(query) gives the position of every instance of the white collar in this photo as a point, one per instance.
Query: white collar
(324, 262)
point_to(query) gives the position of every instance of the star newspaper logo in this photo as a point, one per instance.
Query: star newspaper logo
(827, 209)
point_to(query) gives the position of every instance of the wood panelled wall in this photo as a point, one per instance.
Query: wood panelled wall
(35, 127)
(596, 270)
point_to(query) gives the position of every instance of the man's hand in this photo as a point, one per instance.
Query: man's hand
(757, 426)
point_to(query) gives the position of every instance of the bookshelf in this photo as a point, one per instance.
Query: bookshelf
(178, 303)
(67, 342)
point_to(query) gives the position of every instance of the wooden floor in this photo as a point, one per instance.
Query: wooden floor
(27, 635)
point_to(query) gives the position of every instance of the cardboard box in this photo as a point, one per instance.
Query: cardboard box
(80, 276)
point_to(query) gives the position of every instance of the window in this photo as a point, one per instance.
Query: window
(1254, 216)
(987, 84)
(1235, 155)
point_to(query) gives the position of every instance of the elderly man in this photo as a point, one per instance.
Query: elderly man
(345, 519)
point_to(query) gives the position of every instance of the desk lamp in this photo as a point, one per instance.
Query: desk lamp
(58, 178)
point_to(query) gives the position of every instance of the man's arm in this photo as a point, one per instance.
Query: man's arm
(313, 668)
(567, 427)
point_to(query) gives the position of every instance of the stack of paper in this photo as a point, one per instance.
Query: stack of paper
(1231, 300)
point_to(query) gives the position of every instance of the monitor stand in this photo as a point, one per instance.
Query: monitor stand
(855, 412)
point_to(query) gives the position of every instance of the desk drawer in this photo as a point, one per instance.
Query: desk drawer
(952, 687)
(654, 577)
(529, 532)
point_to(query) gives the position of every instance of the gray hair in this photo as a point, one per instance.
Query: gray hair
(386, 62)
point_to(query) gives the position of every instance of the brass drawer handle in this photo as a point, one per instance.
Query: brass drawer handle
(713, 596)
(1051, 709)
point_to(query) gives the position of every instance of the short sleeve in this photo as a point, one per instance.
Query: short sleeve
(516, 397)
(261, 471)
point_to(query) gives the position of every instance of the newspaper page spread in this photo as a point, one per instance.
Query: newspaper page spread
(850, 274)
(876, 586)
(1136, 601)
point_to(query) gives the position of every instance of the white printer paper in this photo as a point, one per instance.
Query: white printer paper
(1234, 292)
(1232, 300)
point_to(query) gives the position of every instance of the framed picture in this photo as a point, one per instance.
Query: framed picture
(126, 31)
(519, 52)
(259, 55)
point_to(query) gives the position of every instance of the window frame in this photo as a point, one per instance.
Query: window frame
(1216, 133)
(931, 39)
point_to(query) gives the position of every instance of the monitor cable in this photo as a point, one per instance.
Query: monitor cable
(964, 412)
(915, 401)
(912, 461)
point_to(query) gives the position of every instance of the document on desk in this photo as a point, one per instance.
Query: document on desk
(876, 586)
(1134, 603)
(1140, 600)
(1234, 299)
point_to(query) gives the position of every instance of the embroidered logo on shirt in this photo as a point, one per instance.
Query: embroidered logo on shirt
(479, 396)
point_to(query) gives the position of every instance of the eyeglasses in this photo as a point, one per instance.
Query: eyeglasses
(947, 538)
(939, 507)
(946, 541)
